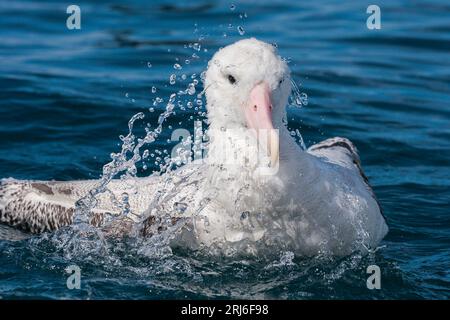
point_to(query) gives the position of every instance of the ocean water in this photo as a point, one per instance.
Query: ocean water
(67, 95)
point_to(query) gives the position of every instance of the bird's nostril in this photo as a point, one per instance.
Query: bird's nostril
(255, 107)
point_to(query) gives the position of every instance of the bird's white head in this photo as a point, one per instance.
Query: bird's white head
(247, 86)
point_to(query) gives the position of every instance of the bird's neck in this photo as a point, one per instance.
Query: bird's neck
(237, 183)
(238, 150)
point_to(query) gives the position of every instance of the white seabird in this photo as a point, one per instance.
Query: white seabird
(306, 201)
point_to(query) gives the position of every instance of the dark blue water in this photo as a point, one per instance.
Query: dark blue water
(66, 96)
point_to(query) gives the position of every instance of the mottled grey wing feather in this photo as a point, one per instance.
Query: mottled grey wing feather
(39, 206)
(32, 206)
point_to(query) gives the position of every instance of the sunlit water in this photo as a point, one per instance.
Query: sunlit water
(67, 96)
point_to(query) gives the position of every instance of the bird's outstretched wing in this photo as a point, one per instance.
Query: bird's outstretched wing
(39, 206)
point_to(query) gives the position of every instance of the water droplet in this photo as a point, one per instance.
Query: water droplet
(241, 30)
(183, 77)
(172, 79)
(177, 66)
(180, 207)
(187, 61)
(153, 89)
(304, 98)
(232, 7)
(149, 64)
(125, 203)
(151, 109)
(244, 215)
(191, 89)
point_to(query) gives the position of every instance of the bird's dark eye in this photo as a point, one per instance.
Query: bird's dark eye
(231, 79)
(281, 81)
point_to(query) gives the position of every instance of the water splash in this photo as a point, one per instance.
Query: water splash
(297, 98)
(286, 259)
(124, 163)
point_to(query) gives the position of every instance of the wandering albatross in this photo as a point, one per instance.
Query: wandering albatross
(306, 201)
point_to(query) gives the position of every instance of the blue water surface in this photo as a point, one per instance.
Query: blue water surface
(67, 95)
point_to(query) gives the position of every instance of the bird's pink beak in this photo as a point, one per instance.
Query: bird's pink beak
(258, 114)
